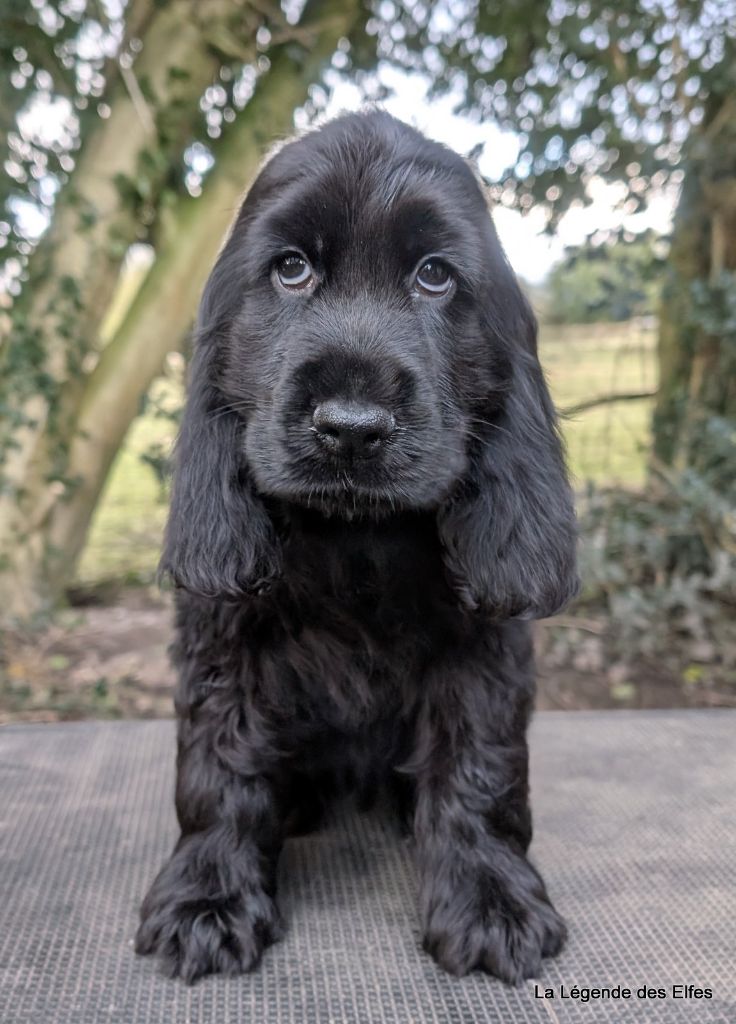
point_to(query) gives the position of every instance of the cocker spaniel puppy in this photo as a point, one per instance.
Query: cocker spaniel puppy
(369, 504)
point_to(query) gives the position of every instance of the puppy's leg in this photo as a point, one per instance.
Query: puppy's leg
(483, 905)
(211, 908)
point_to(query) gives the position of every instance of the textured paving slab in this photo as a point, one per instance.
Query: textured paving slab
(636, 833)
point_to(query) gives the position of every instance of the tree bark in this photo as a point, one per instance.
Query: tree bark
(75, 269)
(697, 333)
(161, 314)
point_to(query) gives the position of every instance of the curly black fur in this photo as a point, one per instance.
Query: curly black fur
(345, 623)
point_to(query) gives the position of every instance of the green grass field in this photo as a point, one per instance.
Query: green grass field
(608, 443)
(605, 444)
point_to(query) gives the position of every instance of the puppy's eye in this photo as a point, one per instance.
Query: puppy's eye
(433, 278)
(294, 272)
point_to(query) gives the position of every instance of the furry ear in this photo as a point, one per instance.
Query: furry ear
(220, 541)
(508, 530)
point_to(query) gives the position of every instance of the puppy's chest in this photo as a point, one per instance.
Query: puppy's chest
(353, 657)
(357, 617)
(359, 647)
(387, 579)
(388, 610)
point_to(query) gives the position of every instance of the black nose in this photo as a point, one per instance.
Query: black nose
(352, 429)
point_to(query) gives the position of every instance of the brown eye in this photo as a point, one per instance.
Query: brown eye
(294, 272)
(433, 278)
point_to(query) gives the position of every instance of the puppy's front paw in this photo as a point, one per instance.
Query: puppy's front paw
(194, 936)
(501, 926)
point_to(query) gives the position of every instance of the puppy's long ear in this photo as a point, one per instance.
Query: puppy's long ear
(219, 539)
(509, 528)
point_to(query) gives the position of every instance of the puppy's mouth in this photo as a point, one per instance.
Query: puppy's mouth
(349, 500)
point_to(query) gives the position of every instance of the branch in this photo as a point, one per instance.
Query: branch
(587, 625)
(138, 99)
(592, 403)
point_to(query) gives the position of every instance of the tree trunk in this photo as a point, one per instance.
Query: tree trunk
(160, 315)
(75, 269)
(697, 334)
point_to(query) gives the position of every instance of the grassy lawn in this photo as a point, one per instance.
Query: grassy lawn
(608, 443)
(125, 537)
(604, 444)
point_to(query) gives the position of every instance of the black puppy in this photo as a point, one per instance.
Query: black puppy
(370, 498)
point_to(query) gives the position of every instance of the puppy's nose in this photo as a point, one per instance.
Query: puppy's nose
(352, 429)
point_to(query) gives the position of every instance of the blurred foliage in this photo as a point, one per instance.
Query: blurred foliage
(59, 63)
(608, 282)
(55, 56)
(592, 88)
(707, 346)
(661, 565)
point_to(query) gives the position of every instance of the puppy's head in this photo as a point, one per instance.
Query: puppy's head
(364, 348)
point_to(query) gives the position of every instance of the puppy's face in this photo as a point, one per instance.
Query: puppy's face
(358, 350)
(364, 348)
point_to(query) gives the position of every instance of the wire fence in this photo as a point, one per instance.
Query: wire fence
(603, 378)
